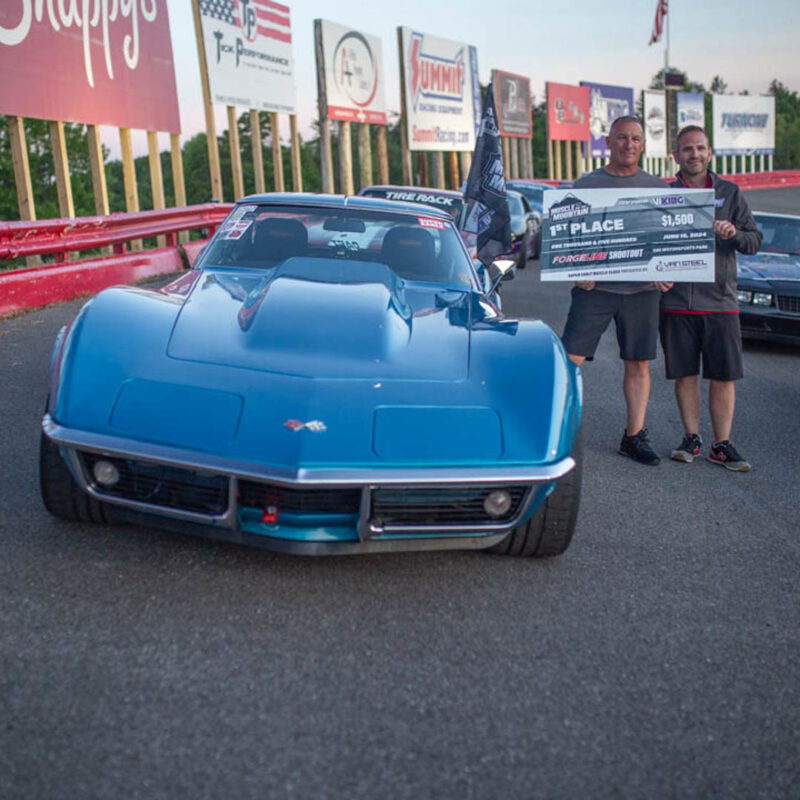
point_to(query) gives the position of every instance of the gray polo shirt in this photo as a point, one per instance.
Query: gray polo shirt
(602, 179)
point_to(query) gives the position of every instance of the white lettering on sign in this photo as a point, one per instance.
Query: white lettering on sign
(598, 226)
(85, 15)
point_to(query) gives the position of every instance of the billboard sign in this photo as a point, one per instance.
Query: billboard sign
(353, 73)
(606, 103)
(743, 125)
(108, 67)
(441, 92)
(685, 108)
(248, 47)
(655, 125)
(513, 97)
(567, 112)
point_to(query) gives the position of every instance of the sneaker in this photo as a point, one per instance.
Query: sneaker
(726, 455)
(638, 448)
(688, 449)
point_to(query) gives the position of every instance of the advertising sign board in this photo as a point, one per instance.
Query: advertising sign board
(743, 125)
(655, 125)
(353, 74)
(567, 112)
(109, 67)
(441, 90)
(513, 96)
(248, 46)
(606, 103)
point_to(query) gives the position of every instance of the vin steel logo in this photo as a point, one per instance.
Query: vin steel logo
(434, 77)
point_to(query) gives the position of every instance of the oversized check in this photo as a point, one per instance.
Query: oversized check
(628, 235)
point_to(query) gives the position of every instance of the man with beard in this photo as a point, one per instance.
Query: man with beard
(632, 305)
(701, 320)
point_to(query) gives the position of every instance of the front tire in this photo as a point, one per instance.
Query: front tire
(62, 497)
(549, 531)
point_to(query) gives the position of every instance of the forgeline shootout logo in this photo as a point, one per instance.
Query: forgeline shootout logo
(682, 264)
(85, 16)
(433, 76)
(609, 255)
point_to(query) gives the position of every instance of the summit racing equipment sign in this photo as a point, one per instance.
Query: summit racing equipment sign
(248, 47)
(743, 125)
(440, 90)
(628, 235)
(352, 70)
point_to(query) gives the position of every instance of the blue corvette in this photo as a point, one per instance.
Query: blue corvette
(329, 378)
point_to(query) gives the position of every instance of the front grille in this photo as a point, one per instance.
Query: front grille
(461, 506)
(162, 485)
(789, 303)
(253, 494)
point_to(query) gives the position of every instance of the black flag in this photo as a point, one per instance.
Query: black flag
(485, 193)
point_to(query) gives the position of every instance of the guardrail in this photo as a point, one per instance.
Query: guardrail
(68, 277)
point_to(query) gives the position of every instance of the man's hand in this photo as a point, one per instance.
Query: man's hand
(587, 285)
(724, 229)
(663, 286)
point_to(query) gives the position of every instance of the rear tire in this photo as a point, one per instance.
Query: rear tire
(63, 497)
(549, 531)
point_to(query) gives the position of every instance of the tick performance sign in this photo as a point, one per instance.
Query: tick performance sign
(628, 235)
(441, 92)
(248, 46)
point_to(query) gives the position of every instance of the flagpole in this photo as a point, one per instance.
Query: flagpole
(666, 49)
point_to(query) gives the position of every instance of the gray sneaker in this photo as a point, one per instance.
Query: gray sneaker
(688, 449)
(726, 455)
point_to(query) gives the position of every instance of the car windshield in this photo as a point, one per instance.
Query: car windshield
(533, 194)
(515, 205)
(450, 203)
(331, 239)
(780, 235)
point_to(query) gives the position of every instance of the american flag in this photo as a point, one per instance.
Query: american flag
(658, 24)
(272, 19)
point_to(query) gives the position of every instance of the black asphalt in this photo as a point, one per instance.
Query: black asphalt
(658, 658)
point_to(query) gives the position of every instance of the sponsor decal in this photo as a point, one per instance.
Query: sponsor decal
(430, 222)
(433, 76)
(314, 425)
(421, 197)
(235, 230)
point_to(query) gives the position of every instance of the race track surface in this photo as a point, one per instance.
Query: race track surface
(658, 658)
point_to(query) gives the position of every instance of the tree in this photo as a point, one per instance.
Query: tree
(787, 126)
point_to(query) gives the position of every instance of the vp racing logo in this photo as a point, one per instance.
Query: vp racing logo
(435, 77)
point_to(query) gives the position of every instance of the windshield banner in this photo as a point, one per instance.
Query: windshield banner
(628, 235)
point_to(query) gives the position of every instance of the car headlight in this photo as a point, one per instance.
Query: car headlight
(762, 299)
(744, 297)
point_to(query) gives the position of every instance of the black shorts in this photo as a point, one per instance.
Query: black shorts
(635, 317)
(716, 338)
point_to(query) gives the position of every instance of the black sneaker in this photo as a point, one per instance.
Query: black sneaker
(688, 449)
(726, 455)
(638, 448)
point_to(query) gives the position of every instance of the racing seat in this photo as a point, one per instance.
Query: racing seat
(410, 253)
(276, 239)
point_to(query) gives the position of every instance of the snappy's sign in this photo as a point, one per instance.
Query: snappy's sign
(93, 61)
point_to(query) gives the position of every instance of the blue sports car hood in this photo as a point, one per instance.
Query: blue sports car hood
(358, 321)
(773, 269)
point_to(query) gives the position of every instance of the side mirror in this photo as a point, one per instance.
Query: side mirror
(503, 269)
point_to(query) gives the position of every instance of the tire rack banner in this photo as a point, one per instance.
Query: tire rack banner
(112, 66)
(606, 103)
(513, 96)
(743, 125)
(628, 235)
(442, 93)
(248, 46)
(353, 74)
(567, 112)
(655, 125)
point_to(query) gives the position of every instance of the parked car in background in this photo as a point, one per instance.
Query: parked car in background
(330, 378)
(769, 281)
(533, 192)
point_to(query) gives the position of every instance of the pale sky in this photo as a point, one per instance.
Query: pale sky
(566, 41)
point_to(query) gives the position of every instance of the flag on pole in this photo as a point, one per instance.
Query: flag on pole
(658, 23)
(485, 192)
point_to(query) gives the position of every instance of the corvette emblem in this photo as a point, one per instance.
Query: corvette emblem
(315, 426)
